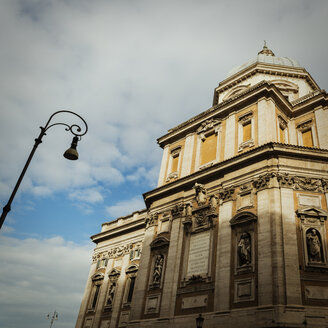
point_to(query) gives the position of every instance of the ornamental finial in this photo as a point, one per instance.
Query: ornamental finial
(266, 50)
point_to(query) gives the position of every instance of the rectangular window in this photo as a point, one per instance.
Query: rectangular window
(208, 150)
(282, 134)
(307, 138)
(247, 131)
(131, 288)
(95, 297)
(175, 162)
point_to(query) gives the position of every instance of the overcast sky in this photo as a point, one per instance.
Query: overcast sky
(133, 69)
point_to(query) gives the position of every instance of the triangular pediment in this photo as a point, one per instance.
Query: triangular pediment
(312, 211)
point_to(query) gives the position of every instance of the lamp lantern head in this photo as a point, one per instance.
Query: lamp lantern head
(72, 153)
(199, 321)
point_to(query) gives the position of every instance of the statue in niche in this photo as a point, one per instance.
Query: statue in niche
(313, 245)
(158, 268)
(244, 249)
(111, 293)
(200, 193)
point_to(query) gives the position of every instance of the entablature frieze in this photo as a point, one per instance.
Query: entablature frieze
(117, 251)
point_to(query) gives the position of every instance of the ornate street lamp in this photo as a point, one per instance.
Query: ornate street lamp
(53, 317)
(70, 153)
(199, 321)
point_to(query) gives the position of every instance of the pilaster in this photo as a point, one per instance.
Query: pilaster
(85, 299)
(321, 119)
(172, 270)
(187, 155)
(222, 274)
(266, 119)
(142, 277)
(163, 166)
(278, 271)
(264, 249)
(119, 293)
(229, 149)
(292, 133)
(292, 273)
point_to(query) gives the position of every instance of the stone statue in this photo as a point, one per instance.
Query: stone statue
(111, 293)
(200, 193)
(213, 201)
(188, 209)
(244, 249)
(313, 245)
(158, 268)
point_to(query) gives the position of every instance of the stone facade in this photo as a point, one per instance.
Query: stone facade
(237, 227)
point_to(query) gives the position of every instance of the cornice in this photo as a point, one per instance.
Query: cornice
(264, 89)
(223, 109)
(120, 230)
(266, 68)
(218, 170)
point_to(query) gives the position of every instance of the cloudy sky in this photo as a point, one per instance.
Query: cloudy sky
(133, 69)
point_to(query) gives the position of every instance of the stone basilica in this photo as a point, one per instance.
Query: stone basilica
(237, 228)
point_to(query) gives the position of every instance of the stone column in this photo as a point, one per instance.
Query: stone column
(141, 283)
(119, 293)
(222, 274)
(292, 272)
(172, 269)
(87, 291)
(264, 248)
(229, 149)
(163, 166)
(187, 155)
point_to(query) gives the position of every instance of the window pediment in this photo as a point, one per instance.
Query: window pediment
(312, 212)
(159, 242)
(132, 269)
(243, 217)
(236, 91)
(98, 276)
(284, 85)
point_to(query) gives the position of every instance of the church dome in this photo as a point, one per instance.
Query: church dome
(266, 56)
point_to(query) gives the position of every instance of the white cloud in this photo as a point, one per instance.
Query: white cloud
(39, 276)
(129, 84)
(91, 195)
(126, 207)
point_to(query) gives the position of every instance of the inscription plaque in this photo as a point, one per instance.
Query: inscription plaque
(307, 200)
(194, 301)
(198, 254)
(316, 292)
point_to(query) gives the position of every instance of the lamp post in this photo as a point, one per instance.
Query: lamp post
(199, 321)
(53, 318)
(70, 153)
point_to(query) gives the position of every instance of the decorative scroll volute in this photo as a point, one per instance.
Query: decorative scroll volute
(151, 220)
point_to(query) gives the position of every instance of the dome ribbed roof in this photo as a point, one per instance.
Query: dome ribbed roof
(266, 56)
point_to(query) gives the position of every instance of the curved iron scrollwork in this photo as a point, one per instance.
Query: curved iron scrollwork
(74, 128)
